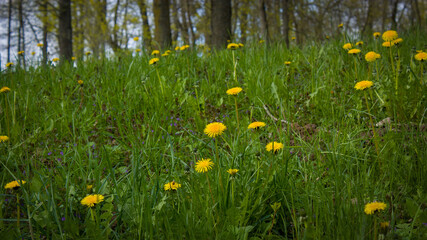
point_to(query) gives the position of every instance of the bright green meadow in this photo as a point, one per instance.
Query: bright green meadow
(131, 128)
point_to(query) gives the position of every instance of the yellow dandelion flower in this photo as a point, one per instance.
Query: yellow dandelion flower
(421, 56)
(14, 184)
(165, 54)
(89, 187)
(275, 146)
(234, 91)
(388, 44)
(347, 46)
(389, 35)
(177, 48)
(398, 41)
(172, 186)
(232, 46)
(55, 59)
(372, 56)
(341, 25)
(153, 61)
(4, 89)
(373, 207)
(214, 129)
(168, 51)
(184, 47)
(204, 165)
(377, 34)
(327, 37)
(9, 64)
(88, 53)
(73, 58)
(155, 52)
(39, 44)
(294, 38)
(4, 139)
(33, 53)
(362, 85)
(92, 200)
(354, 51)
(232, 172)
(80, 82)
(261, 41)
(138, 50)
(21, 52)
(287, 63)
(241, 45)
(384, 225)
(256, 125)
(359, 43)
(136, 39)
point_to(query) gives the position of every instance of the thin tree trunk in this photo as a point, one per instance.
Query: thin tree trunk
(285, 19)
(177, 24)
(415, 8)
(45, 27)
(394, 14)
(243, 19)
(146, 34)
(9, 30)
(21, 34)
(384, 15)
(65, 33)
(190, 23)
(162, 23)
(184, 25)
(263, 19)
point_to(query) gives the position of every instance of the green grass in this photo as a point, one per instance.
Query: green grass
(119, 133)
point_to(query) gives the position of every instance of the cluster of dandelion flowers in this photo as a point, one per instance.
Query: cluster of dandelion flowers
(354, 51)
(233, 46)
(347, 46)
(274, 146)
(234, 91)
(214, 129)
(421, 56)
(155, 52)
(172, 186)
(153, 61)
(256, 125)
(373, 207)
(362, 85)
(232, 172)
(204, 165)
(4, 139)
(14, 184)
(4, 90)
(92, 200)
(376, 34)
(372, 56)
(184, 47)
(389, 35)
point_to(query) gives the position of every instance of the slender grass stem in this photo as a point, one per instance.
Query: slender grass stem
(160, 80)
(237, 113)
(18, 209)
(372, 123)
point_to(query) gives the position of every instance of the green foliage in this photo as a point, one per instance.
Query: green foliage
(120, 134)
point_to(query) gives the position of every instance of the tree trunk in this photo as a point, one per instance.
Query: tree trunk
(65, 33)
(243, 19)
(220, 22)
(416, 11)
(162, 23)
(21, 34)
(9, 30)
(146, 34)
(184, 25)
(176, 23)
(45, 27)
(384, 15)
(190, 23)
(263, 19)
(285, 19)
(367, 27)
(394, 14)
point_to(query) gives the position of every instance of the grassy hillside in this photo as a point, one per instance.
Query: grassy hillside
(130, 128)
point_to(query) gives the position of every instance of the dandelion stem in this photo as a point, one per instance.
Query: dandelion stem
(18, 208)
(372, 122)
(355, 67)
(160, 81)
(210, 189)
(237, 112)
(422, 71)
(7, 114)
(234, 66)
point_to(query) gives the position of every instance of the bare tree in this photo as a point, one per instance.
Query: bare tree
(146, 34)
(9, 30)
(264, 22)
